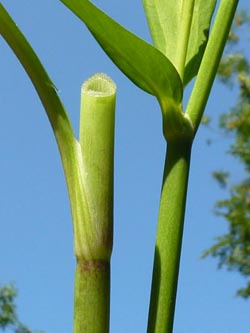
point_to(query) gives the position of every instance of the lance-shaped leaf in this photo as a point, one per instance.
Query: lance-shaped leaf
(41, 81)
(142, 63)
(203, 12)
(87, 239)
(164, 20)
(68, 145)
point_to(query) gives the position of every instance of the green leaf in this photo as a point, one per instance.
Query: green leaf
(164, 20)
(48, 95)
(39, 77)
(203, 12)
(46, 90)
(69, 147)
(142, 63)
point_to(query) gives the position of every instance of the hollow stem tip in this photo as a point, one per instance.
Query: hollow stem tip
(99, 85)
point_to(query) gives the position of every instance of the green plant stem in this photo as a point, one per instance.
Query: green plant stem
(93, 222)
(93, 236)
(183, 35)
(169, 237)
(88, 167)
(210, 61)
(92, 297)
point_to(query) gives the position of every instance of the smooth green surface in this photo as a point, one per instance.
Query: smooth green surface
(211, 60)
(92, 297)
(142, 63)
(175, 123)
(169, 238)
(165, 18)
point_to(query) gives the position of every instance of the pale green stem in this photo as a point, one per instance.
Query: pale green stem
(211, 60)
(92, 297)
(169, 237)
(93, 235)
(183, 35)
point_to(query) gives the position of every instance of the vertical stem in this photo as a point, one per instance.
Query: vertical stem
(96, 137)
(93, 226)
(169, 238)
(210, 62)
(92, 297)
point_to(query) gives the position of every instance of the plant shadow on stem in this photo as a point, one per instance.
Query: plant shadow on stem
(155, 287)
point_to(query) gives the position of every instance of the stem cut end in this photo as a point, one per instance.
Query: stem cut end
(99, 85)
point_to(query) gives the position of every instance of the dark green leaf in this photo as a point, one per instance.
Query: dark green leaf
(142, 63)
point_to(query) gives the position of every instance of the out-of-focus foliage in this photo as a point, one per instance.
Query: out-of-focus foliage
(8, 315)
(221, 177)
(233, 249)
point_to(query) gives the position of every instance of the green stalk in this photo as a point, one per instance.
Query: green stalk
(92, 297)
(169, 237)
(183, 35)
(93, 236)
(175, 180)
(88, 168)
(211, 60)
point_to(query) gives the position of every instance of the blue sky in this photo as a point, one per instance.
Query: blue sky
(36, 241)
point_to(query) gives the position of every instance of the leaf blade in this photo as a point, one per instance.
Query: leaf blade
(47, 93)
(163, 22)
(69, 147)
(163, 18)
(203, 12)
(44, 86)
(142, 63)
